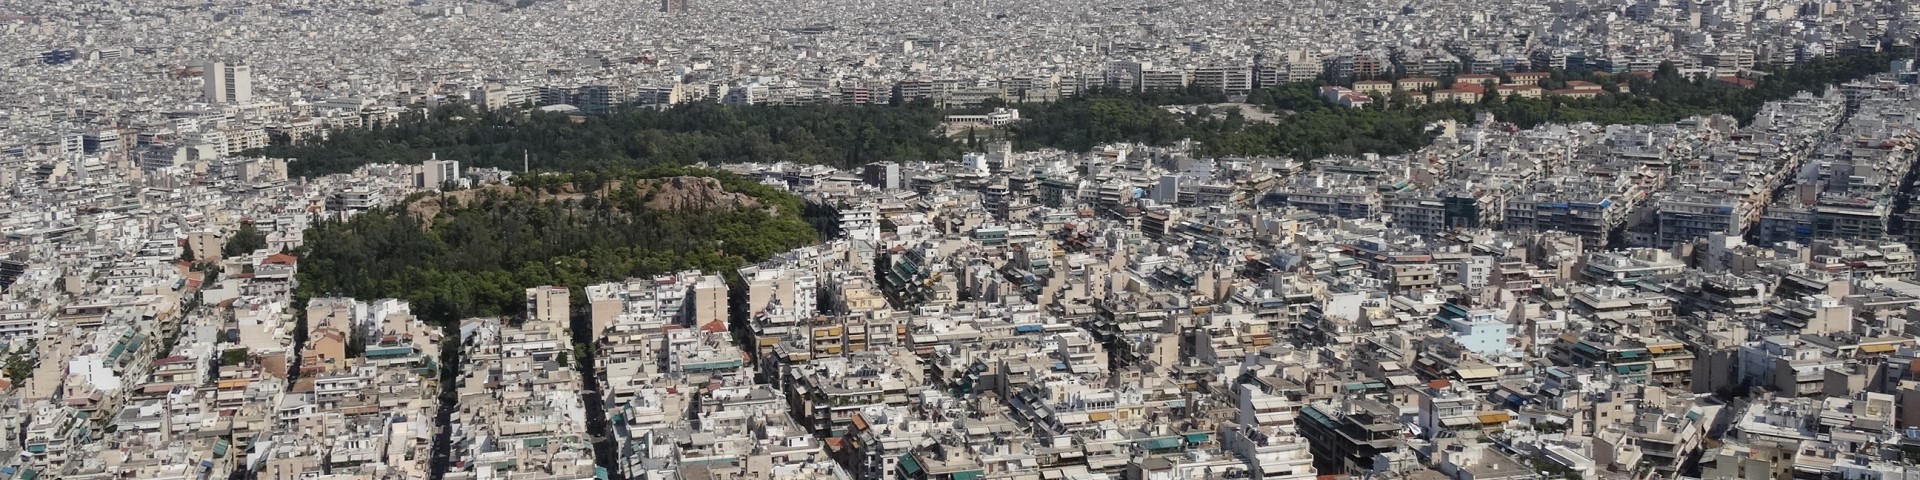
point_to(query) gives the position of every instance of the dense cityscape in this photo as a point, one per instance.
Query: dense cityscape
(959, 240)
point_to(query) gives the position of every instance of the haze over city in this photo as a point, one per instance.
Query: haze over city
(959, 240)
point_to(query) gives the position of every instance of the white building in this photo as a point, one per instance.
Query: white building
(227, 83)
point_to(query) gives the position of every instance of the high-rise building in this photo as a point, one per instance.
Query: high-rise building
(214, 81)
(883, 175)
(227, 83)
(436, 173)
(1126, 75)
(707, 302)
(551, 305)
(1232, 79)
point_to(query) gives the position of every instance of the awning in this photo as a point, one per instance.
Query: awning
(908, 465)
(1099, 416)
(1478, 372)
(1877, 348)
(1404, 380)
(1494, 418)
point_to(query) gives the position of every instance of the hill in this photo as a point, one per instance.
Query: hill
(636, 138)
(470, 253)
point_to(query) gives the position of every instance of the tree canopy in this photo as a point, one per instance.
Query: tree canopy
(480, 250)
(1307, 126)
(636, 138)
(244, 241)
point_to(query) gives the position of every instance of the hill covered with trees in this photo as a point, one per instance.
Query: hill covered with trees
(848, 136)
(471, 253)
(1309, 127)
(635, 138)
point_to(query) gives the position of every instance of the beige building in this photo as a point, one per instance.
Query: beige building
(1414, 84)
(550, 304)
(708, 300)
(206, 246)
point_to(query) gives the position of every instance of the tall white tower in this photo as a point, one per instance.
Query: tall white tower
(227, 83)
(239, 84)
(214, 89)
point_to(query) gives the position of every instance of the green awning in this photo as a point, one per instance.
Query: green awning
(397, 351)
(1160, 443)
(535, 442)
(1316, 415)
(968, 475)
(908, 465)
(1198, 437)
